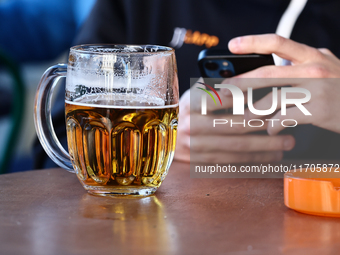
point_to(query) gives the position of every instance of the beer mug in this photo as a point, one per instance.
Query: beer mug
(121, 110)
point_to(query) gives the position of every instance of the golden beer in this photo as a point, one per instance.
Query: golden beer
(123, 142)
(121, 115)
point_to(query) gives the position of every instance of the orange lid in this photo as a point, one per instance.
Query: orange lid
(312, 192)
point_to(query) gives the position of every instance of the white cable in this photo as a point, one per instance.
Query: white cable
(287, 22)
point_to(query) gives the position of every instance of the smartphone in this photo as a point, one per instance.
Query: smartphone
(218, 64)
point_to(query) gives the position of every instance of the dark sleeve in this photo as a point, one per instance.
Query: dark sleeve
(105, 24)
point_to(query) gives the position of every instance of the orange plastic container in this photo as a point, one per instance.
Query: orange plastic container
(316, 193)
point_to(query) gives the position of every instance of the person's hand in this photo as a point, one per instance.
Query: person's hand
(222, 144)
(307, 62)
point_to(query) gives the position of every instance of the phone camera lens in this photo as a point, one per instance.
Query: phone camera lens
(226, 73)
(212, 66)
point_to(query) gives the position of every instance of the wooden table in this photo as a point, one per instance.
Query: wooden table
(48, 212)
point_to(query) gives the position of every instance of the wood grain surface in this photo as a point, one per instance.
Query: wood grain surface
(48, 212)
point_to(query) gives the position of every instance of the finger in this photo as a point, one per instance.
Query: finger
(222, 125)
(182, 153)
(260, 81)
(276, 76)
(241, 143)
(326, 52)
(293, 117)
(236, 157)
(309, 70)
(266, 103)
(272, 43)
(183, 124)
(297, 71)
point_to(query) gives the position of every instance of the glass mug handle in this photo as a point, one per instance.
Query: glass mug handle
(43, 120)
